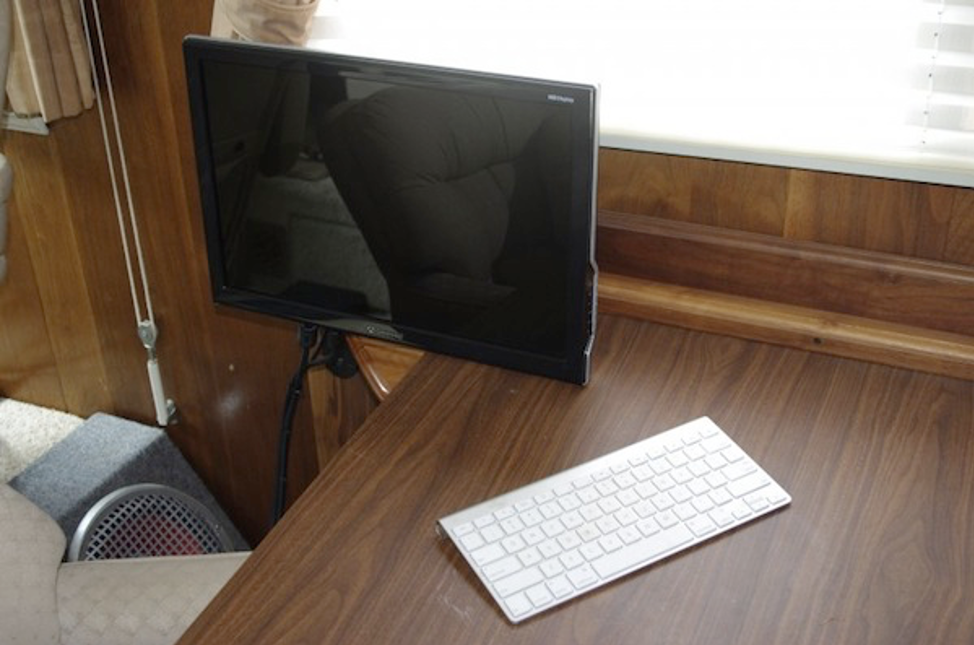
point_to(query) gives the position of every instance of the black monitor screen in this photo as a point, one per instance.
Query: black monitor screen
(446, 209)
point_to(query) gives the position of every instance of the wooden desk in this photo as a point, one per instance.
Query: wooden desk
(877, 547)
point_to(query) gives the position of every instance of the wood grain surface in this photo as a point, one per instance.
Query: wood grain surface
(884, 287)
(875, 548)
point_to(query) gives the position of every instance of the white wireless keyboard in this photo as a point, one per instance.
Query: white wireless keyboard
(555, 539)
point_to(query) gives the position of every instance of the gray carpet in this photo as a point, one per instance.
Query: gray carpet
(101, 455)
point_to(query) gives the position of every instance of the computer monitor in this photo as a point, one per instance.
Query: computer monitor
(447, 209)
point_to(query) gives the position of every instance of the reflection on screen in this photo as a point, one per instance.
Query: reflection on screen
(440, 210)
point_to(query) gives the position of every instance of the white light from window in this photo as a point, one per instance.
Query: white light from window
(832, 79)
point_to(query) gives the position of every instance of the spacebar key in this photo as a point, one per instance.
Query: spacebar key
(642, 552)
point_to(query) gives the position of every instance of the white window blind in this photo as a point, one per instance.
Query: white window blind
(877, 87)
(944, 79)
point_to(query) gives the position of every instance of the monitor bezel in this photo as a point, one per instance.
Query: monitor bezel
(581, 271)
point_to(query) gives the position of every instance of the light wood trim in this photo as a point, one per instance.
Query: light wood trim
(383, 364)
(813, 330)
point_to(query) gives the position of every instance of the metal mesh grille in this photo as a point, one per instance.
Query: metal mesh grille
(151, 521)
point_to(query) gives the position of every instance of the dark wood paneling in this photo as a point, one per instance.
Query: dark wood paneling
(43, 209)
(68, 335)
(899, 217)
(885, 287)
(28, 366)
(733, 195)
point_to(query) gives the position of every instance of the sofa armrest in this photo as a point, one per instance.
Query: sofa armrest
(31, 547)
(150, 601)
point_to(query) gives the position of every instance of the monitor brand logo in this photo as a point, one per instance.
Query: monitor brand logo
(558, 98)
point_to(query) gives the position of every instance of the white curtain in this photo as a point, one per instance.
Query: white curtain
(281, 21)
(49, 69)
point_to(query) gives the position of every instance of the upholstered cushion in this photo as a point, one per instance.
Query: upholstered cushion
(31, 548)
(145, 601)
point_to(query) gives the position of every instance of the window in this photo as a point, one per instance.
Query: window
(877, 87)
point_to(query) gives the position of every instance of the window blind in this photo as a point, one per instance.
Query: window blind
(944, 81)
(878, 87)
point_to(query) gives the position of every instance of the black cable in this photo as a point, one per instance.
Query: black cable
(308, 338)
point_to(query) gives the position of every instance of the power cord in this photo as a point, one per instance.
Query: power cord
(327, 349)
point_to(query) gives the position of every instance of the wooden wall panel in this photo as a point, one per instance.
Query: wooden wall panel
(226, 371)
(42, 204)
(67, 333)
(742, 196)
(28, 367)
(914, 219)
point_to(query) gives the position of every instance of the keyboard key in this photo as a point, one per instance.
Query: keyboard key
(588, 495)
(550, 510)
(681, 494)
(549, 548)
(553, 528)
(629, 534)
(733, 454)
(488, 554)
(560, 586)
(539, 595)
(590, 512)
(590, 550)
(701, 525)
(749, 484)
(643, 551)
(463, 529)
(572, 520)
(666, 519)
(648, 527)
(583, 576)
(551, 568)
(610, 543)
(472, 541)
(588, 532)
(607, 524)
(582, 482)
(722, 517)
(609, 505)
(757, 502)
(571, 559)
(518, 604)
(720, 496)
(544, 498)
(504, 513)
(501, 568)
(738, 470)
(512, 525)
(569, 540)
(628, 497)
(533, 535)
(518, 581)
(483, 521)
(569, 502)
(625, 517)
(529, 557)
(492, 533)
